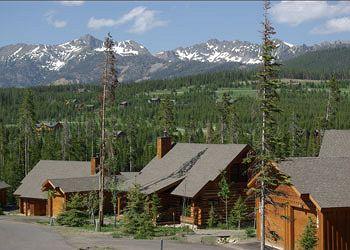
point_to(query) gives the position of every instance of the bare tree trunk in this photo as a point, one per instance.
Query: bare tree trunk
(226, 213)
(101, 173)
(222, 130)
(262, 202)
(130, 155)
(262, 217)
(115, 215)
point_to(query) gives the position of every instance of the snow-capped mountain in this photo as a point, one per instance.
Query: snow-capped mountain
(81, 60)
(215, 51)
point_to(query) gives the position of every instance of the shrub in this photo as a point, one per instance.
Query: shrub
(212, 221)
(1, 212)
(76, 214)
(308, 240)
(250, 232)
(138, 219)
(238, 214)
(72, 218)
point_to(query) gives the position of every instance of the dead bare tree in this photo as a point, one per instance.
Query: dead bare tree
(109, 83)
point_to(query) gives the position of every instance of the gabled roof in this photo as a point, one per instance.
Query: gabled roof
(325, 179)
(45, 169)
(335, 143)
(190, 164)
(4, 185)
(84, 184)
(76, 184)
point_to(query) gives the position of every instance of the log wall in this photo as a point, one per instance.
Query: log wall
(3, 200)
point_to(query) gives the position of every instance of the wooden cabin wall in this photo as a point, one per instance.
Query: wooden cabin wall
(237, 177)
(286, 220)
(209, 195)
(30, 206)
(336, 229)
(3, 200)
(169, 204)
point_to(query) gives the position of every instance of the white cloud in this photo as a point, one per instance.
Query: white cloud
(142, 20)
(335, 25)
(72, 3)
(297, 12)
(50, 18)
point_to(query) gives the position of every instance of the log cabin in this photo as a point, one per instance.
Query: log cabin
(32, 200)
(319, 189)
(185, 177)
(62, 189)
(3, 193)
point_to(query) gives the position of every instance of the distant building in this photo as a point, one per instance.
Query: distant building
(124, 104)
(154, 100)
(48, 126)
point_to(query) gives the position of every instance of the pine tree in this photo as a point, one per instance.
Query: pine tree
(155, 205)
(166, 115)
(212, 221)
(138, 220)
(308, 239)
(224, 193)
(268, 84)
(109, 83)
(210, 133)
(224, 110)
(26, 125)
(239, 213)
(332, 104)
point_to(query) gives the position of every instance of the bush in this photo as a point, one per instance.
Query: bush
(308, 240)
(1, 212)
(76, 214)
(250, 232)
(72, 218)
(212, 221)
(138, 219)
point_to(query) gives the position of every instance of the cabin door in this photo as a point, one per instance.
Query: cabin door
(300, 219)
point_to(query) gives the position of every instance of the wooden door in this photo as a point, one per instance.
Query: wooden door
(31, 208)
(275, 225)
(57, 205)
(300, 219)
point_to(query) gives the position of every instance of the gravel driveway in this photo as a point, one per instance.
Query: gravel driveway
(17, 233)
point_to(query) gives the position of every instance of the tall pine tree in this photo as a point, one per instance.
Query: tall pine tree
(109, 83)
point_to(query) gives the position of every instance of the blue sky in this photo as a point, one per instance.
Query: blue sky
(167, 25)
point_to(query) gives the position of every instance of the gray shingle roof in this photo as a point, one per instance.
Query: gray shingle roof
(76, 184)
(4, 185)
(335, 143)
(327, 180)
(45, 169)
(189, 163)
(85, 184)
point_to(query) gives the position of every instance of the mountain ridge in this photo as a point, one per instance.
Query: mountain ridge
(80, 60)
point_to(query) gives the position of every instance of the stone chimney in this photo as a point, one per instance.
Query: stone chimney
(95, 161)
(163, 145)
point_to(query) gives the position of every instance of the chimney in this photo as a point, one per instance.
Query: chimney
(163, 145)
(95, 161)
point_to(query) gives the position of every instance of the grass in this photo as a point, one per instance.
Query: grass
(236, 92)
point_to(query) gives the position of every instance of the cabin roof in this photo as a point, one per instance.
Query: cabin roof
(190, 164)
(325, 179)
(4, 185)
(85, 184)
(335, 143)
(47, 169)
